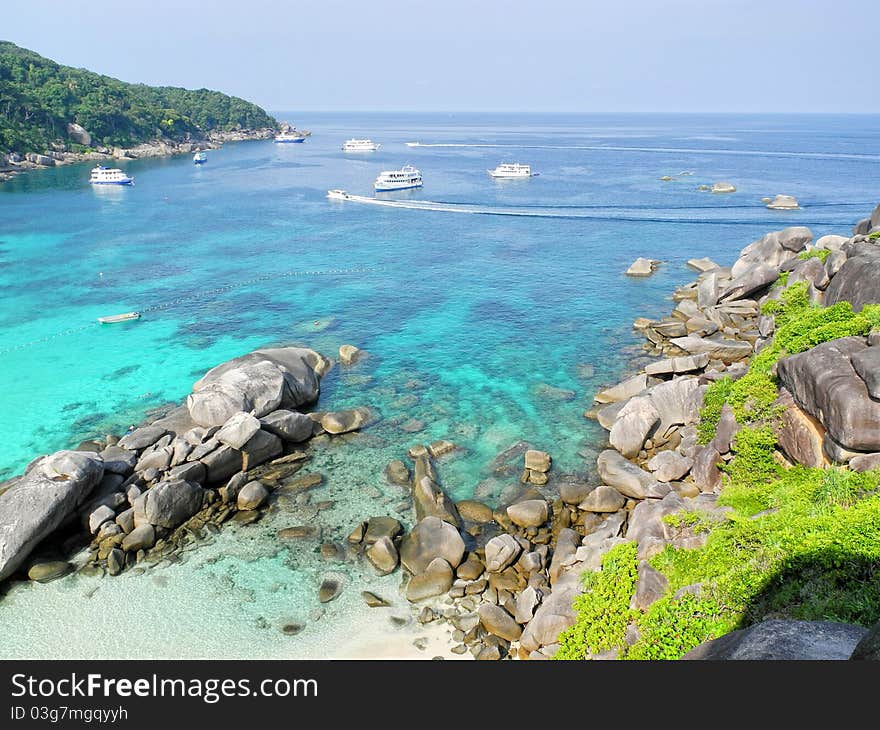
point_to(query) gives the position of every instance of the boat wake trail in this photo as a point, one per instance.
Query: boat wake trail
(658, 150)
(611, 213)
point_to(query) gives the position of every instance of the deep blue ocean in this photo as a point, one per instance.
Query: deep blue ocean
(482, 329)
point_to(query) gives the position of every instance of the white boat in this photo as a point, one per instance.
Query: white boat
(511, 169)
(290, 137)
(337, 194)
(109, 176)
(113, 318)
(403, 179)
(200, 157)
(360, 145)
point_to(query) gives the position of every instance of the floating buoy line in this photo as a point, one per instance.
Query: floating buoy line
(196, 296)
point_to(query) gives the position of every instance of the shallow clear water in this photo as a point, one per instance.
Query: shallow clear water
(483, 329)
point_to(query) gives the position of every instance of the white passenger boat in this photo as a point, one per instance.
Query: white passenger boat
(113, 318)
(360, 145)
(200, 157)
(403, 179)
(109, 176)
(511, 170)
(290, 137)
(337, 194)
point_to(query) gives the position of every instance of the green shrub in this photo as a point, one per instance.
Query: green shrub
(874, 236)
(754, 463)
(815, 253)
(603, 610)
(672, 627)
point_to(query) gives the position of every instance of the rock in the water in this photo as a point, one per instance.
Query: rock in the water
(397, 473)
(627, 389)
(374, 601)
(635, 421)
(783, 202)
(574, 492)
(669, 466)
(35, 505)
(291, 426)
(642, 267)
(429, 539)
(115, 561)
(723, 187)
(140, 538)
(501, 552)
(345, 421)
(435, 580)
(702, 265)
(627, 478)
(474, 511)
(331, 587)
(49, 570)
(783, 639)
(537, 460)
(238, 430)
(252, 495)
(349, 354)
(169, 504)
(529, 513)
(824, 383)
(261, 447)
(379, 527)
(498, 622)
(383, 555)
(259, 382)
(603, 499)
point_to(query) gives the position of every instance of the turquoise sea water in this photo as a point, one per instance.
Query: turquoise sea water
(483, 329)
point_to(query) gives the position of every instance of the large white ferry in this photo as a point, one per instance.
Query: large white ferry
(404, 178)
(109, 176)
(511, 169)
(360, 145)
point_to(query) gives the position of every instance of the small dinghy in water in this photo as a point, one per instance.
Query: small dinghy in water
(119, 317)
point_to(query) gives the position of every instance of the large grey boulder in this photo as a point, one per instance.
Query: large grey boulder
(635, 421)
(169, 504)
(824, 383)
(670, 466)
(141, 438)
(783, 639)
(554, 615)
(431, 538)
(529, 513)
(767, 250)
(259, 382)
(238, 430)
(748, 282)
(812, 271)
(118, 460)
(290, 426)
(677, 401)
(628, 478)
(79, 134)
(867, 364)
(801, 437)
(857, 281)
(501, 552)
(627, 389)
(498, 622)
(603, 499)
(717, 348)
(435, 580)
(35, 505)
(646, 520)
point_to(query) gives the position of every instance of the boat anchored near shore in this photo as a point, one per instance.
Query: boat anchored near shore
(109, 176)
(200, 157)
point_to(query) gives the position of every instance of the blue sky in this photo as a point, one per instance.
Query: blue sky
(478, 55)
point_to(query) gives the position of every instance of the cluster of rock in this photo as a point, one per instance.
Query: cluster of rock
(12, 162)
(163, 485)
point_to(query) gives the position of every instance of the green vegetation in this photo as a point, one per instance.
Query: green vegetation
(816, 253)
(874, 236)
(799, 327)
(39, 97)
(603, 608)
(797, 542)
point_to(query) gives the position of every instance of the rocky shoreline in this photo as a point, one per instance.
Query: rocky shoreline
(501, 579)
(12, 163)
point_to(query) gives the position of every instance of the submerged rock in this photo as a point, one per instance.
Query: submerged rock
(723, 187)
(642, 267)
(783, 202)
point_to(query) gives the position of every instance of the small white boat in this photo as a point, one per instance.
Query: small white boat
(360, 145)
(290, 137)
(337, 194)
(109, 176)
(511, 170)
(403, 179)
(112, 319)
(200, 157)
